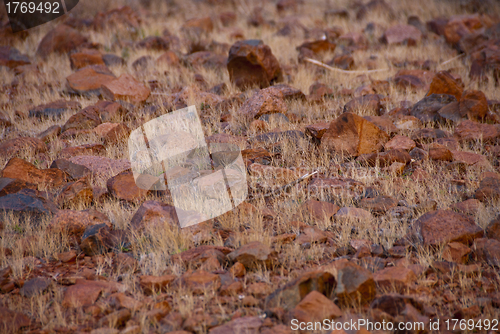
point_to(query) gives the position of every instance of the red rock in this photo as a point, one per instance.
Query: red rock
(460, 26)
(456, 252)
(14, 146)
(318, 210)
(317, 130)
(238, 270)
(169, 58)
(444, 226)
(110, 111)
(11, 57)
(394, 277)
(118, 17)
(45, 178)
(123, 186)
(444, 83)
(367, 104)
(344, 62)
(152, 284)
(256, 155)
(319, 46)
(27, 203)
(120, 300)
(75, 194)
(85, 58)
(35, 286)
(97, 239)
(200, 281)
(315, 307)
(12, 186)
(113, 133)
(62, 39)
(353, 135)
(155, 43)
(88, 118)
(385, 159)
(12, 321)
(83, 150)
(469, 207)
(469, 130)
(50, 133)
(102, 168)
(402, 33)
(470, 159)
(400, 142)
(73, 223)
(292, 293)
(379, 204)
(266, 101)
(487, 250)
(250, 63)
(252, 254)
(89, 80)
(247, 325)
(86, 293)
(440, 153)
(489, 188)
(473, 104)
(493, 229)
(311, 234)
(54, 109)
(355, 284)
(125, 88)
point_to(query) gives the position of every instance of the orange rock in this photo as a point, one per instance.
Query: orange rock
(444, 83)
(125, 88)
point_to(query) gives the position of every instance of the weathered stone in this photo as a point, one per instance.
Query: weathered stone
(440, 154)
(489, 189)
(318, 210)
(353, 135)
(89, 79)
(400, 142)
(86, 293)
(379, 204)
(444, 226)
(125, 88)
(456, 252)
(12, 186)
(292, 293)
(268, 100)
(469, 207)
(11, 57)
(200, 281)
(493, 229)
(34, 287)
(402, 34)
(123, 186)
(96, 239)
(45, 178)
(62, 39)
(252, 254)
(444, 83)
(88, 118)
(355, 284)
(152, 284)
(473, 104)
(82, 150)
(394, 277)
(250, 63)
(470, 131)
(487, 250)
(315, 307)
(427, 109)
(84, 58)
(12, 147)
(367, 104)
(54, 109)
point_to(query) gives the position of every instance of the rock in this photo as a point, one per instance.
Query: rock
(76, 193)
(25, 204)
(473, 105)
(378, 205)
(256, 155)
(394, 304)
(344, 62)
(355, 284)
(318, 91)
(34, 286)
(125, 88)
(427, 134)
(85, 293)
(54, 109)
(154, 214)
(310, 235)
(489, 189)
(469, 207)
(397, 278)
(319, 46)
(385, 159)
(12, 321)
(493, 229)
(290, 295)
(110, 111)
(123, 187)
(12, 186)
(444, 83)
(427, 109)
(318, 210)
(154, 284)
(50, 133)
(402, 34)
(268, 100)
(74, 171)
(456, 252)
(207, 59)
(459, 26)
(117, 17)
(45, 178)
(155, 43)
(88, 118)
(444, 226)
(111, 60)
(96, 239)
(440, 154)
(290, 93)
(113, 133)
(102, 168)
(384, 123)
(317, 130)
(90, 79)
(353, 135)
(252, 254)
(487, 250)
(367, 104)
(12, 147)
(250, 63)
(243, 325)
(471, 159)
(62, 39)
(353, 213)
(120, 300)
(200, 281)
(11, 57)
(400, 142)
(84, 58)
(315, 307)
(470, 130)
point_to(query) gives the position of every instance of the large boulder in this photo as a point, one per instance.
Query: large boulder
(353, 135)
(250, 63)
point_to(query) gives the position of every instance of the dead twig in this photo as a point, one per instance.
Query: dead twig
(452, 59)
(333, 69)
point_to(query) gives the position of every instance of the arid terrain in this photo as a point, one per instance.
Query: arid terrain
(369, 133)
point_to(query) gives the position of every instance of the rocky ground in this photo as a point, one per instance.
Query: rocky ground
(394, 104)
